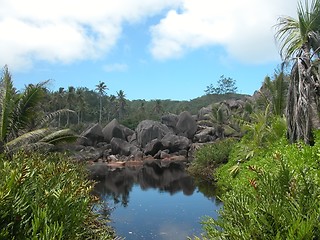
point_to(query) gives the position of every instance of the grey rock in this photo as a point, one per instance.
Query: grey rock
(170, 121)
(186, 125)
(148, 130)
(113, 129)
(153, 147)
(121, 147)
(92, 136)
(175, 143)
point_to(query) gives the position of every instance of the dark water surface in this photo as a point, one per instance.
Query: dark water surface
(155, 202)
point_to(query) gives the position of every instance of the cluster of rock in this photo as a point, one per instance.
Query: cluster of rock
(174, 137)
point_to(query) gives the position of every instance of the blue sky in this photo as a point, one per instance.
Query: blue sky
(150, 49)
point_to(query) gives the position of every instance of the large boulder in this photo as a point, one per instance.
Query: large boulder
(92, 136)
(186, 125)
(203, 113)
(206, 134)
(147, 130)
(113, 129)
(153, 147)
(175, 143)
(121, 147)
(170, 121)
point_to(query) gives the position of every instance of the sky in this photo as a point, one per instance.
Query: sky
(150, 49)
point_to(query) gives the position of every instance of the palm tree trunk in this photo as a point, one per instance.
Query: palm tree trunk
(100, 112)
(302, 114)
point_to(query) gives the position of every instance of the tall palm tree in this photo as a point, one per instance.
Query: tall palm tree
(299, 45)
(101, 89)
(158, 109)
(81, 103)
(121, 97)
(71, 97)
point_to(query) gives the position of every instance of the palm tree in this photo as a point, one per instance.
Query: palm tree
(19, 112)
(299, 45)
(121, 97)
(158, 109)
(101, 89)
(81, 103)
(71, 97)
(61, 102)
(274, 92)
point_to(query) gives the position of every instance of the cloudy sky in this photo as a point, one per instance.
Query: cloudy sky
(150, 49)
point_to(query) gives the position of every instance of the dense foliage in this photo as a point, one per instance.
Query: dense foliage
(46, 197)
(210, 156)
(275, 197)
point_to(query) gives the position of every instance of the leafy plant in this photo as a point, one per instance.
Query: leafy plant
(278, 204)
(20, 126)
(210, 156)
(47, 197)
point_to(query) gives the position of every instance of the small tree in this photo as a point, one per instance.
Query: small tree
(225, 85)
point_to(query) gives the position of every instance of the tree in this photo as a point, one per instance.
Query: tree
(121, 98)
(18, 114)
(71, 97)
(158, 109)
(101, 89)
(299, 41)
(225, 85)
(274, 92)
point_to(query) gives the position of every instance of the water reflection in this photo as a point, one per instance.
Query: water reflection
(154, 201)
(117, 184)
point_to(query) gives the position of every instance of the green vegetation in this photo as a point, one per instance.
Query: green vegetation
(274, 196)
(42, 196)
(225, 86)
(210, 156)
(300, 47)
(23, 125)
(47, 197)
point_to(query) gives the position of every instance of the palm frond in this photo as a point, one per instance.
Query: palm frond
(49, 117)
(7, 97)
(27, 138)
(26, 106)
(60, 136)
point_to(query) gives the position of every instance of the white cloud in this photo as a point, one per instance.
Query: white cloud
(244, 28)
(66, 31)
(116, 67)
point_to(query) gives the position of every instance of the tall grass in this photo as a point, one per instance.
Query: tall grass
(47, 197)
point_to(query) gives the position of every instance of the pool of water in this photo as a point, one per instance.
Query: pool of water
(155, 202)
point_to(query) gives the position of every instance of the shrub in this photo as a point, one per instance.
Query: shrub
(278, 199)
(209, 156)
(46, 197)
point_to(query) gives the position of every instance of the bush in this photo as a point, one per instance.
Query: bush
(278, 199)
(210, 156)
(46, 197)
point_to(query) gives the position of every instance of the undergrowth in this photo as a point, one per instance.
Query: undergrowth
(47, 197)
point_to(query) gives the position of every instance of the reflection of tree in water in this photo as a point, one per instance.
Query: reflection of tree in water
(117, 184)
(210, 191)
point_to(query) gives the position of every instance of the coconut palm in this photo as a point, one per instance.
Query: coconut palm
(71, 98)
(299, 46)
(101, 89)
(19, 112)
(121, 98)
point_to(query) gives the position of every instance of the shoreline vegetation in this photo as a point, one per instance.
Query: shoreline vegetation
(47, 196)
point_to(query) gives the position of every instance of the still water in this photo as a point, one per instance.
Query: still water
(155, 202)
